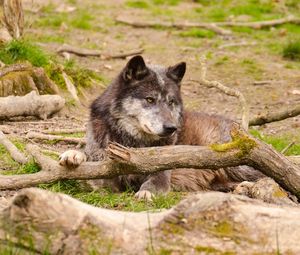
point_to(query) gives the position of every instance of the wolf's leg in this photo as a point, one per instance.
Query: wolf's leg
(72, 158)
(156, 183)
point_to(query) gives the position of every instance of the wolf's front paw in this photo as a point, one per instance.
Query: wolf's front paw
(71, 158)
(144, 194)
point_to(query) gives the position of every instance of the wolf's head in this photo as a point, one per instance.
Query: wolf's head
(149, 102)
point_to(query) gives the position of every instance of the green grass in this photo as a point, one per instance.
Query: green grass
(279, 142)
(197, 33)
(22, 50)
(80, 19)
(107, 199)
(137, 4)
(292, 50)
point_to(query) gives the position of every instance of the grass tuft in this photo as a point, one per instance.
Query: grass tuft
(21, 50)
(197, 33)
(292, 50)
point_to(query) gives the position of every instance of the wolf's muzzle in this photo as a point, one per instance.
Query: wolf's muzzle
(169, 129)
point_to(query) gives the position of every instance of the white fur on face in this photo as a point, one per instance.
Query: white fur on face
(148, 119)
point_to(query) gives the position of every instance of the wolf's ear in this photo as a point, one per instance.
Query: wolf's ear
(135, 69)
(176, 72)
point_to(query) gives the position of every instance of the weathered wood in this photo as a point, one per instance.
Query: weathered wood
(180, 25)
(12, 149)
(31, 104)
(45, 222)
(40, 136)
(269, 117)
(243, 150)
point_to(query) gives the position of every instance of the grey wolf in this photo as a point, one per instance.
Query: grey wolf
(143, 107)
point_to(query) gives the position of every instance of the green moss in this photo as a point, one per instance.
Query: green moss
(292, 50)
(242, 142)
(20, 50)
(197, 33)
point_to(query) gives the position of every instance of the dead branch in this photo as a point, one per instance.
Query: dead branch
(242, 151)
(67, 226)
(226, 90)
(13, 17)
(95, 53)
(261, 24)
(13, 68)
(40, 136)
(262, 82)
(179, 25)
(12, 149)
(64, 131)
(288, 147)
(237, 44)
(71, 87)
(269, 117)
(31, 104)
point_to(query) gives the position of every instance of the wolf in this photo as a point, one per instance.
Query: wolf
(143, 107)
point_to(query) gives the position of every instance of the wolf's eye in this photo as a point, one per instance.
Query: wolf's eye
(171, 102)
(150, 100)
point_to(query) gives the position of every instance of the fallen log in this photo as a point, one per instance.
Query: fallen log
(243, 150)
(40, 221)
(269, 117)
(31, 104)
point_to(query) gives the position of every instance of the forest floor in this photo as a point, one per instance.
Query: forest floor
(92, 25)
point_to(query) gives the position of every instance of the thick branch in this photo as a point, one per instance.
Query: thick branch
(275, 116)
(30, 105)
(152, 24)
(12, 149)
(14, 68)
(243, 150)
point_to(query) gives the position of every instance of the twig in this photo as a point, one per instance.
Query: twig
(39, 136)
(95, 53)
(152, 24)
(262, 82)
(261, 24)
(237, 44)
(64, 131)
(288, 147)
(70, 86)
(12, 149)
(275, 116)
(226, 90)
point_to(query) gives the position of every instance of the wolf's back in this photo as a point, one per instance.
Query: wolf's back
(204, 129)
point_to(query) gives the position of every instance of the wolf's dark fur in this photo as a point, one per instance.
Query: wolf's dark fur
(142, 108)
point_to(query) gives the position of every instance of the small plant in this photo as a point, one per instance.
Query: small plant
(292, 50)
(198, 33)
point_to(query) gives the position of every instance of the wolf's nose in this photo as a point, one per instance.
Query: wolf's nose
(169, 129)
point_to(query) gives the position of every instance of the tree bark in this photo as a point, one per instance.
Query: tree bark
(243, 150)
(31, 104)
(44, 222)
